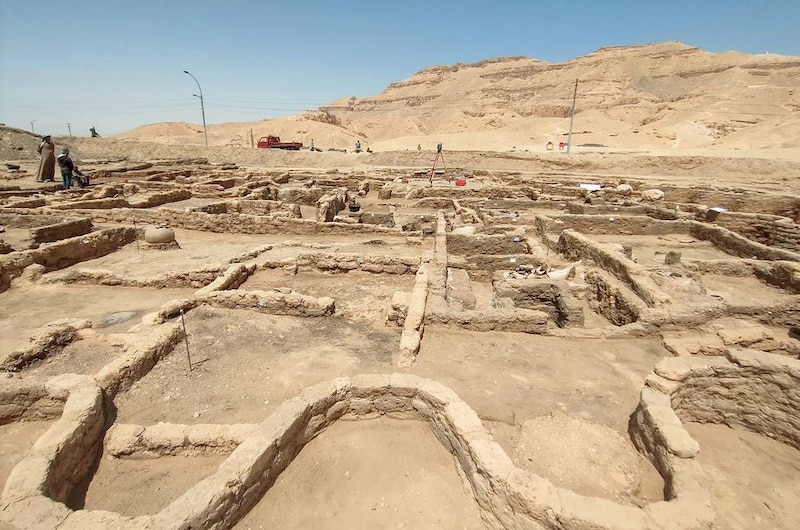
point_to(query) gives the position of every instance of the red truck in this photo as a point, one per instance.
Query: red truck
(274, 142)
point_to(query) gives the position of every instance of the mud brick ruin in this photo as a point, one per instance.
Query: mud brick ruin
(516, 319)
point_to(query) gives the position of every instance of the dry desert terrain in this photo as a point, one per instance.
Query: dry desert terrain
(513, 337)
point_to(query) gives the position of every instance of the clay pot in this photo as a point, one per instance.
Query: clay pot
(155, 234)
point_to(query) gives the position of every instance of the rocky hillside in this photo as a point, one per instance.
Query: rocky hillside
(661, 96)
(668, 94)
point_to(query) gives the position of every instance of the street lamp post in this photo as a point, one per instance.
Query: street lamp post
(202, 107)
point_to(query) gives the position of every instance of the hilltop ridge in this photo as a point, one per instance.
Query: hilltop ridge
(655, 96)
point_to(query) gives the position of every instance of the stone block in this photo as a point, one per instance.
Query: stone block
(164, 436)
(36, 512)
(462, 419)
(60, 386)
(437, 394)
(28, 478)
(286, 421)
(490, 458)
(123, 439)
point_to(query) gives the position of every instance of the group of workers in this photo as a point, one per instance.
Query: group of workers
(47, 165)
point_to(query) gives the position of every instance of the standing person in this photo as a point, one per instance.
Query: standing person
(47, 164)
(66, 165)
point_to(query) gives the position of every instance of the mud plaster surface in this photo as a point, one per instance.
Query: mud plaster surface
(650, 250)
(86, 356)
(754, 481)
(743, 291)
(359, 295)
(368, 474)
(516, 382)
(198, 250)
(247, 363)
(144, 486)
(16, 439)
(24, 310)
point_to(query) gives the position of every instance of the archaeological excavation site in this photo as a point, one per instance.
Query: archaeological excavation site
(213, 342)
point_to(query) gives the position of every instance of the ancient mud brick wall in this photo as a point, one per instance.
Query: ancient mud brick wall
(782, 274)
(25, 220)
(466, 193)
(507, 496)
(486, 244)
(613, 299)
(247, 206)
(47, 341)
(157, 199)
(738, 245)
(306, 196)
(612, 224)
(579, 208)
(27, 400)
(551, 296)
(93, 204)
(65, 253)
(63, 230)
(750, 389)
(232, 223)
(769, 230)
(738, 201)
(348, 262)
(575, 245)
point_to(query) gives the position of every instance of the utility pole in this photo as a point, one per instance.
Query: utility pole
(572, 118)
(202, 107)
(32, 126)
(69, 128)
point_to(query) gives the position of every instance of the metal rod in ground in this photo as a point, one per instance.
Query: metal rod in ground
(186, 341)
(136, 230)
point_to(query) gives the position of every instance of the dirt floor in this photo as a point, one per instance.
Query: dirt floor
(16, 439)
(144, 486)
(755, 481)
(585, 391)
(25, 310)
(360, 296)
(86, 356)
(247, 363)
(382, 473)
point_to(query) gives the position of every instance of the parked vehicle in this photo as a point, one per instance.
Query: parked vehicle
(274, 142)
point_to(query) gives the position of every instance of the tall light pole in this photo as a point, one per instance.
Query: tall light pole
(572, 117)
(202, 107)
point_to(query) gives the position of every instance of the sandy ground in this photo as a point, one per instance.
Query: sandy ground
(25, 310)
(16, 439)
(755, 481)
(368, 474)
(153, 483)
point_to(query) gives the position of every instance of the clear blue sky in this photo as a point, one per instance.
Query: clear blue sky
(119, 64)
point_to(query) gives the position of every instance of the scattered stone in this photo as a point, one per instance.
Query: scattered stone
(652, 195)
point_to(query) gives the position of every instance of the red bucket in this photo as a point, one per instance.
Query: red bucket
(461, 181)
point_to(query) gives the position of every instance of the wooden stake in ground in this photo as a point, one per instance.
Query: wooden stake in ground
(186, 341)
(136, 231)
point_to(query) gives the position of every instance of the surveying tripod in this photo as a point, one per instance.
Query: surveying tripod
(439, 156)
